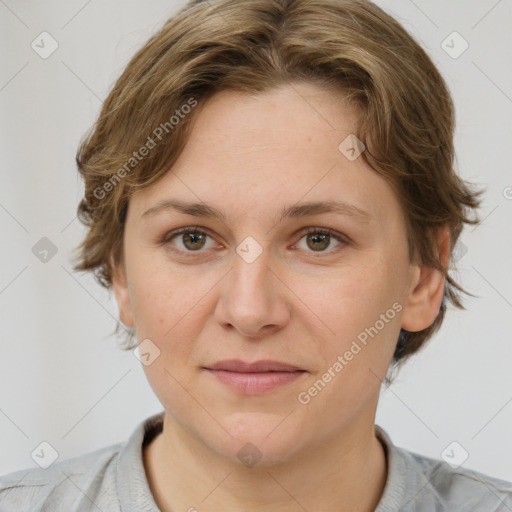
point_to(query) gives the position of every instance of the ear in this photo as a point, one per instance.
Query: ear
(427, 290)
(122, 292)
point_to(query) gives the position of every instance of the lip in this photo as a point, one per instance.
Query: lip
(264, 365)
(254, 378)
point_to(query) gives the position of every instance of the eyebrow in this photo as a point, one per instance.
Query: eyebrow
(294, 211)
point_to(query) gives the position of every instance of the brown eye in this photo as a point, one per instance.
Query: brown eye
(320, 239)
(194, 241)
(188, 239)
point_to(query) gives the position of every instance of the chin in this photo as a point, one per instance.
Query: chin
(258, 439)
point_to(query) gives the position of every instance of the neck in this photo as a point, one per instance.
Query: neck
(348, 472)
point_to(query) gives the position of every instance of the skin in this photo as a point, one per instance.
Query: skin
(301, 301)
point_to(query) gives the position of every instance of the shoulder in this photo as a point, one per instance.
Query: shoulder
(80, 483)
(422, 484)
(461, 488)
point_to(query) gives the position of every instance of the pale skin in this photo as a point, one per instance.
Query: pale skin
(301, 301)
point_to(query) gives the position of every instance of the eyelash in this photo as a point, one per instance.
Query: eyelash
(343, 239)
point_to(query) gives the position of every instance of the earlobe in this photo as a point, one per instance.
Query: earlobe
(121, 292)
(427, 290)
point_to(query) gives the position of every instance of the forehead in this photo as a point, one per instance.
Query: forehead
(253, 153)
(283, 116)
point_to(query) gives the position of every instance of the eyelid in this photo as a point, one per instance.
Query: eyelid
(340, 237)
(343, 239)
(181, 231)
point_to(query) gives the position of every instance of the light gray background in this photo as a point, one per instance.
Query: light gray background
(62, 377)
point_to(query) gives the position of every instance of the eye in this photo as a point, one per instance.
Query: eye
(319, 239)
(192, 238)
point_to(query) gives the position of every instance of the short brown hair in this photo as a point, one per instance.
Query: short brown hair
(405, 115)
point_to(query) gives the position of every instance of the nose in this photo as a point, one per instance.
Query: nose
(253, 299)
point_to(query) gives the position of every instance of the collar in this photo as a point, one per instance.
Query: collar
(135, 495)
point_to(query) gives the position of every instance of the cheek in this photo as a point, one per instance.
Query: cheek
(360, 314)
(150, 301)
(159, 294)
(352, 300)
(170, 308)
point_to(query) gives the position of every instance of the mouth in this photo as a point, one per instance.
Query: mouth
(254, 378)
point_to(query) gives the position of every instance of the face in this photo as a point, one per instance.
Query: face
(323, 291)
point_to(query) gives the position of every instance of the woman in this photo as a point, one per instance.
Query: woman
(270, 193)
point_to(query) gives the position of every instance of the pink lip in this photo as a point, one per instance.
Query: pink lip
(264, 365)
(254, 378)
